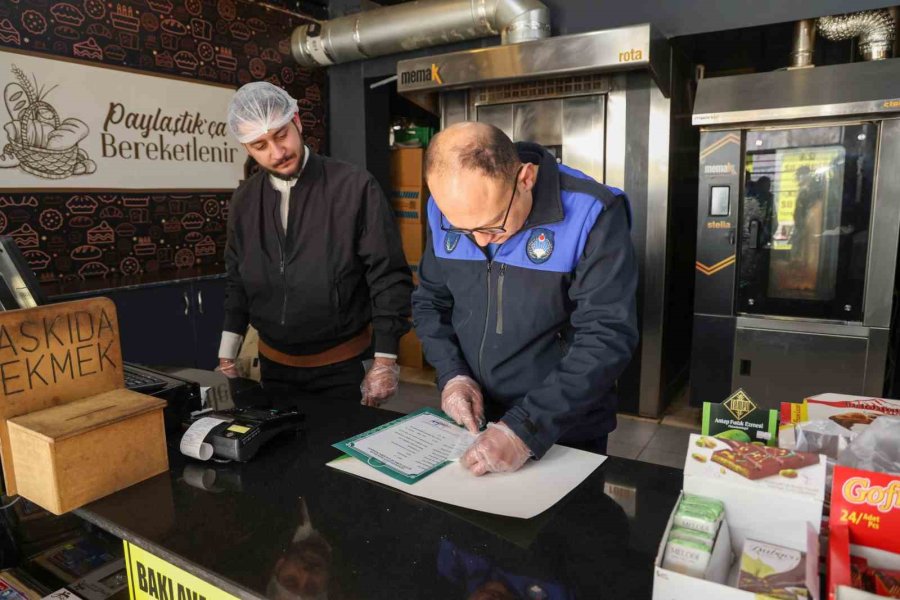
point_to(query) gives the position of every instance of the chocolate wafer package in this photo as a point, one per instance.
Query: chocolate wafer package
(774, 571)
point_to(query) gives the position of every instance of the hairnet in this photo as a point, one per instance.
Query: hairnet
(259, 107)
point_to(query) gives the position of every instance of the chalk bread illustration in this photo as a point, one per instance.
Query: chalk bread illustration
(38, 141)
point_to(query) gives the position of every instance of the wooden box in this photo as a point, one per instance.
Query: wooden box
(69, 455)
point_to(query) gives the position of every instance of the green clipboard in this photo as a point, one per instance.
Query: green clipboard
(348, 446)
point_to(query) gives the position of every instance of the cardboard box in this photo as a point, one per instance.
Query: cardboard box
(409, 204)
(406, 167)
(777, 510)
(410, 353)
(864, 521)
(412, 237)
(739, 418)
(67, 456)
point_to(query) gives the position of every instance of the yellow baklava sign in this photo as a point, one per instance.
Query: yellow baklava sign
(152, 578)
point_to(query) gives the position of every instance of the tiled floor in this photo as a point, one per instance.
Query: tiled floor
(663, 441)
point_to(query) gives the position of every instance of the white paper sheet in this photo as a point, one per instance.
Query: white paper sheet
(524, 494)
(416, 445)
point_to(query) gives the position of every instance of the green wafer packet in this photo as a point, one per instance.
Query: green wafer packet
(699, 514)
(687, 557)
(701, 501)
(682, 533)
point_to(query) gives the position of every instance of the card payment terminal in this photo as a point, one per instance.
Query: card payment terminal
(243, 431)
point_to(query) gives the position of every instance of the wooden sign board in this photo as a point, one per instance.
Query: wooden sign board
(53, 355)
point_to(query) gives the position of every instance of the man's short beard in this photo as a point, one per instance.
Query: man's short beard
(284, 177)
(302, 155)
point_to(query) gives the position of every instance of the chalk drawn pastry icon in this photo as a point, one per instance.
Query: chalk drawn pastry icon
(38, 142)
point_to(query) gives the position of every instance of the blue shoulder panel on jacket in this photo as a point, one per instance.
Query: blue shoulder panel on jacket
(447, 245)
(558, 246)
(576, 181)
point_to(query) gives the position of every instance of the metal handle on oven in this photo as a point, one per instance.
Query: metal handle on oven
(200, 300)
(187, 303)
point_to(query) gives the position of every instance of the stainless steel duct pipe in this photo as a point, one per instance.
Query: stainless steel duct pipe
(420, 24)
(804, 44)
(876, 30)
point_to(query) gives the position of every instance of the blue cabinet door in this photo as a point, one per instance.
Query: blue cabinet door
(208, 297)
(156, 324)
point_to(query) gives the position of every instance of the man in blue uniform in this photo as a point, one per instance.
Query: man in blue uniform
(526, 303)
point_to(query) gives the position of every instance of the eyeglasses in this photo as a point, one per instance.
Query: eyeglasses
(488, 230)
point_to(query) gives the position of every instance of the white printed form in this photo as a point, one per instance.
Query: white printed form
(416, 445)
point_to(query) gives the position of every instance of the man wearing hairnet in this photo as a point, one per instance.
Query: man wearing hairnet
(314, 262)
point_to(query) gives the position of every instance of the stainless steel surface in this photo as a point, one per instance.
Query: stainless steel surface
(876, 362)
(853, 89)
(654, 276)
(498, 115)
(790, 358)
(795, 112)
(539, 122)
(804, 44)
(788, 366)
(876, 30)
(454, 107)
(576, 125)
(542, 89)
(421, 24)
(883, 232)
(816, 327)
(520, 20)
(582, 134)
(627, 48)
(616, 142)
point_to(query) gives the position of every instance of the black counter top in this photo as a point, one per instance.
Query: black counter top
(318, 528)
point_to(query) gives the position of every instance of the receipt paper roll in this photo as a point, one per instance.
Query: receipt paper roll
(192, 443)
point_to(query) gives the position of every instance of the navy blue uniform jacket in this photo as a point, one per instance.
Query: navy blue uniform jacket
(549, 324)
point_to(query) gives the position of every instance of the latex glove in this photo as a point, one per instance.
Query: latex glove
(462, 400)
(228, 368)
(380, 382)
(497, 450)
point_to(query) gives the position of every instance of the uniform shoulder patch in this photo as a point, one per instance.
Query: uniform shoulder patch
(540, 245)
(451, 240)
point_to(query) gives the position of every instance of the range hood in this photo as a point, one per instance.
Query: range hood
(611, 50)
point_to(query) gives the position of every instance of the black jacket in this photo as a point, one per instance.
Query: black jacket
(339, 266)
(549, 324)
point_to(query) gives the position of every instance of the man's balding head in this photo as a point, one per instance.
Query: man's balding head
(479, 182)
(472, 146)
